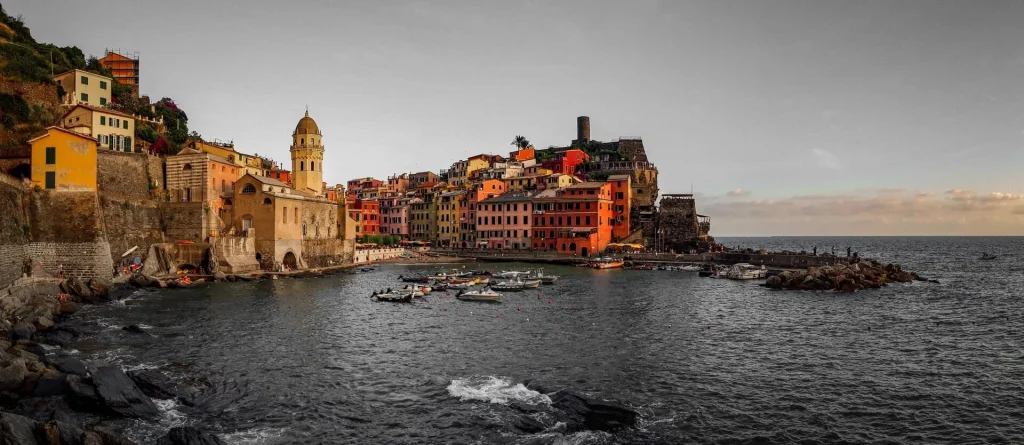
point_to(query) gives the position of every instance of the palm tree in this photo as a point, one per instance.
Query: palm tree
(521, 142)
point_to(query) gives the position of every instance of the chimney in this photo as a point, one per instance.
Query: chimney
(583, 129)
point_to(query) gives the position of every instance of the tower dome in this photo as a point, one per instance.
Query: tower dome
(306, 125)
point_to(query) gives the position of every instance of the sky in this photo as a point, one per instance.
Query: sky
(785, 117)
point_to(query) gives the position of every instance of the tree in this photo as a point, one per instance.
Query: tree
(521, 142)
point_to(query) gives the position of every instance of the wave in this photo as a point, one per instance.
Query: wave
(494, 390)
(254, 436)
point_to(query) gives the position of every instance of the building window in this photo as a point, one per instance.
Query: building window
(303, 229)
(284, 215)
(51, 155)
(103, 85)
(103, 101)
(85, 97)
(588, 220)
(312, 166)
(103, 120)
(187, 197)
(188, 167)
(51, 180)
(124, 124)
(267, 201)
(296, 215)
(85, 80)
(127, 143)
(249, 189)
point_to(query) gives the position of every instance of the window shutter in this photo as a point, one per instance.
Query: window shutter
(103, 120)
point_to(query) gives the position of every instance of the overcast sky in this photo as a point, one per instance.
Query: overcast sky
(788, 117)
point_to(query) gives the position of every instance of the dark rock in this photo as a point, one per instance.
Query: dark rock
(82, 394)
(187, 435)
(220, 276)
(13, 375)
(31, 346)
(58, 336)
(142, 280)
(106, 437)
(54, 432)
(100, 291)
(134, 329)
(540, 387)
(17, 430)
(78, 288)
(23, 331)
(592, 414)
(154, 384)
(933, 281)
(50, 385)
(528, 425)
(120, 394)
(68, 307)
(231, 278)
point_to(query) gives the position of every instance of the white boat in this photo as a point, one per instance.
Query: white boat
(530, 283)
(689, 268)
(546, 279)
(460, 285)
(485, 294)
(396, 297)
(744, 271)
(510, 285)
(416, 290)
(511, 273)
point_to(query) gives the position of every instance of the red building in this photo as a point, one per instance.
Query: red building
(363, 184)
(576, 220)
(566, 161)
(284, 176)
(622, 200)
(366, 214)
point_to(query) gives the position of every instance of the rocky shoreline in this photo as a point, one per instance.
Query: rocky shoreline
(852, 277)
(50, 397)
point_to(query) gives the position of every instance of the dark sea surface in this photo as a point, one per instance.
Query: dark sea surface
(704, 361)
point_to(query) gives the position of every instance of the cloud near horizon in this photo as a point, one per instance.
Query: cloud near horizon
(864, 213)
(738, 193)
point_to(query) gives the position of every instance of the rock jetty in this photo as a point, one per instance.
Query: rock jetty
(852, 277)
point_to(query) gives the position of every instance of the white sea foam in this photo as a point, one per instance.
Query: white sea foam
(170, 417)
(494, 390)
(255, 436)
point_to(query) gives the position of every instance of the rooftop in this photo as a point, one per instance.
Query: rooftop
(510, 197)
(588, 185)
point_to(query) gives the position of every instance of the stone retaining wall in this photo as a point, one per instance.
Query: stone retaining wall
(79, 260)
(121, 174)
(369, 255)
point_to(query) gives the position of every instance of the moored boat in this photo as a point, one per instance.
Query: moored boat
(396, 297)
(485, 294)
(987, 257)
(744, 271)
(544, 278)
(415, 278)
(607, 263)
(511, 273)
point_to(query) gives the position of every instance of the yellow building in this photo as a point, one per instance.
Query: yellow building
(112, 129)
(307, 153)
(559, 181)
(84, 87)
(522, 183)
(449, 218)
(63, 159)
(226, 151)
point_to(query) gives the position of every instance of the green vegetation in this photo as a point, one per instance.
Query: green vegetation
(521, 142)
(380, 240)
(23, 58)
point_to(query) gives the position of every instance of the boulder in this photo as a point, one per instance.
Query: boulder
(220, 276)
(100, 291)
(528, 425)
(105, 437)
(43, 323)
(774, 282)
(31, 346)
(592, 414)
(142, 280)
(54, 432)
(78, 288)
(67, 307)
(67, 364)
(81, 394)
(154, 384)
(231, 278)
(188, 435)
(13, 375)
(134, 329)
(23, 331)
(50, 384)
(120, 395)
(17, 430)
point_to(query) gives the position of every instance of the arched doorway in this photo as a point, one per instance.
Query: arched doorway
(583, 252)
(289, 261)
(572, 247)
(21, 171)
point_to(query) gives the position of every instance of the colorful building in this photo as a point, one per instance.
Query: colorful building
(124, 68)
(503, 222)
(307, 152)
(461, 171)
(394, 216)
(449, 218)
(284, 176)
(480, 191)
(421, 214)
(557, 181)
(575, 220)
(63, 160)
(522, 183)
(622, 201)
(398, 183)
(521, 155)
(566, 161)
(83, 87)
(369, 211)
(114, 130)
(418, 179)
(194, 176)
(363, 184)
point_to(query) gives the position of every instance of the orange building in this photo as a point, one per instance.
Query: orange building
(524, 154)
(125, 69)
(622, 199)
(574, 220)
(284, 176)
(483, 190)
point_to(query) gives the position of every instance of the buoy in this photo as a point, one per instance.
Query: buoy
(446, 309)
(549, 301)
(517, 308)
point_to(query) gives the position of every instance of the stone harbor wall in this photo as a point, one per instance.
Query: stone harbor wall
(14, 229)
(324, 252)
(66, 231)
(123, 175)
(370, 255)
(184, 220)
(130, 222)
(236, 254)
